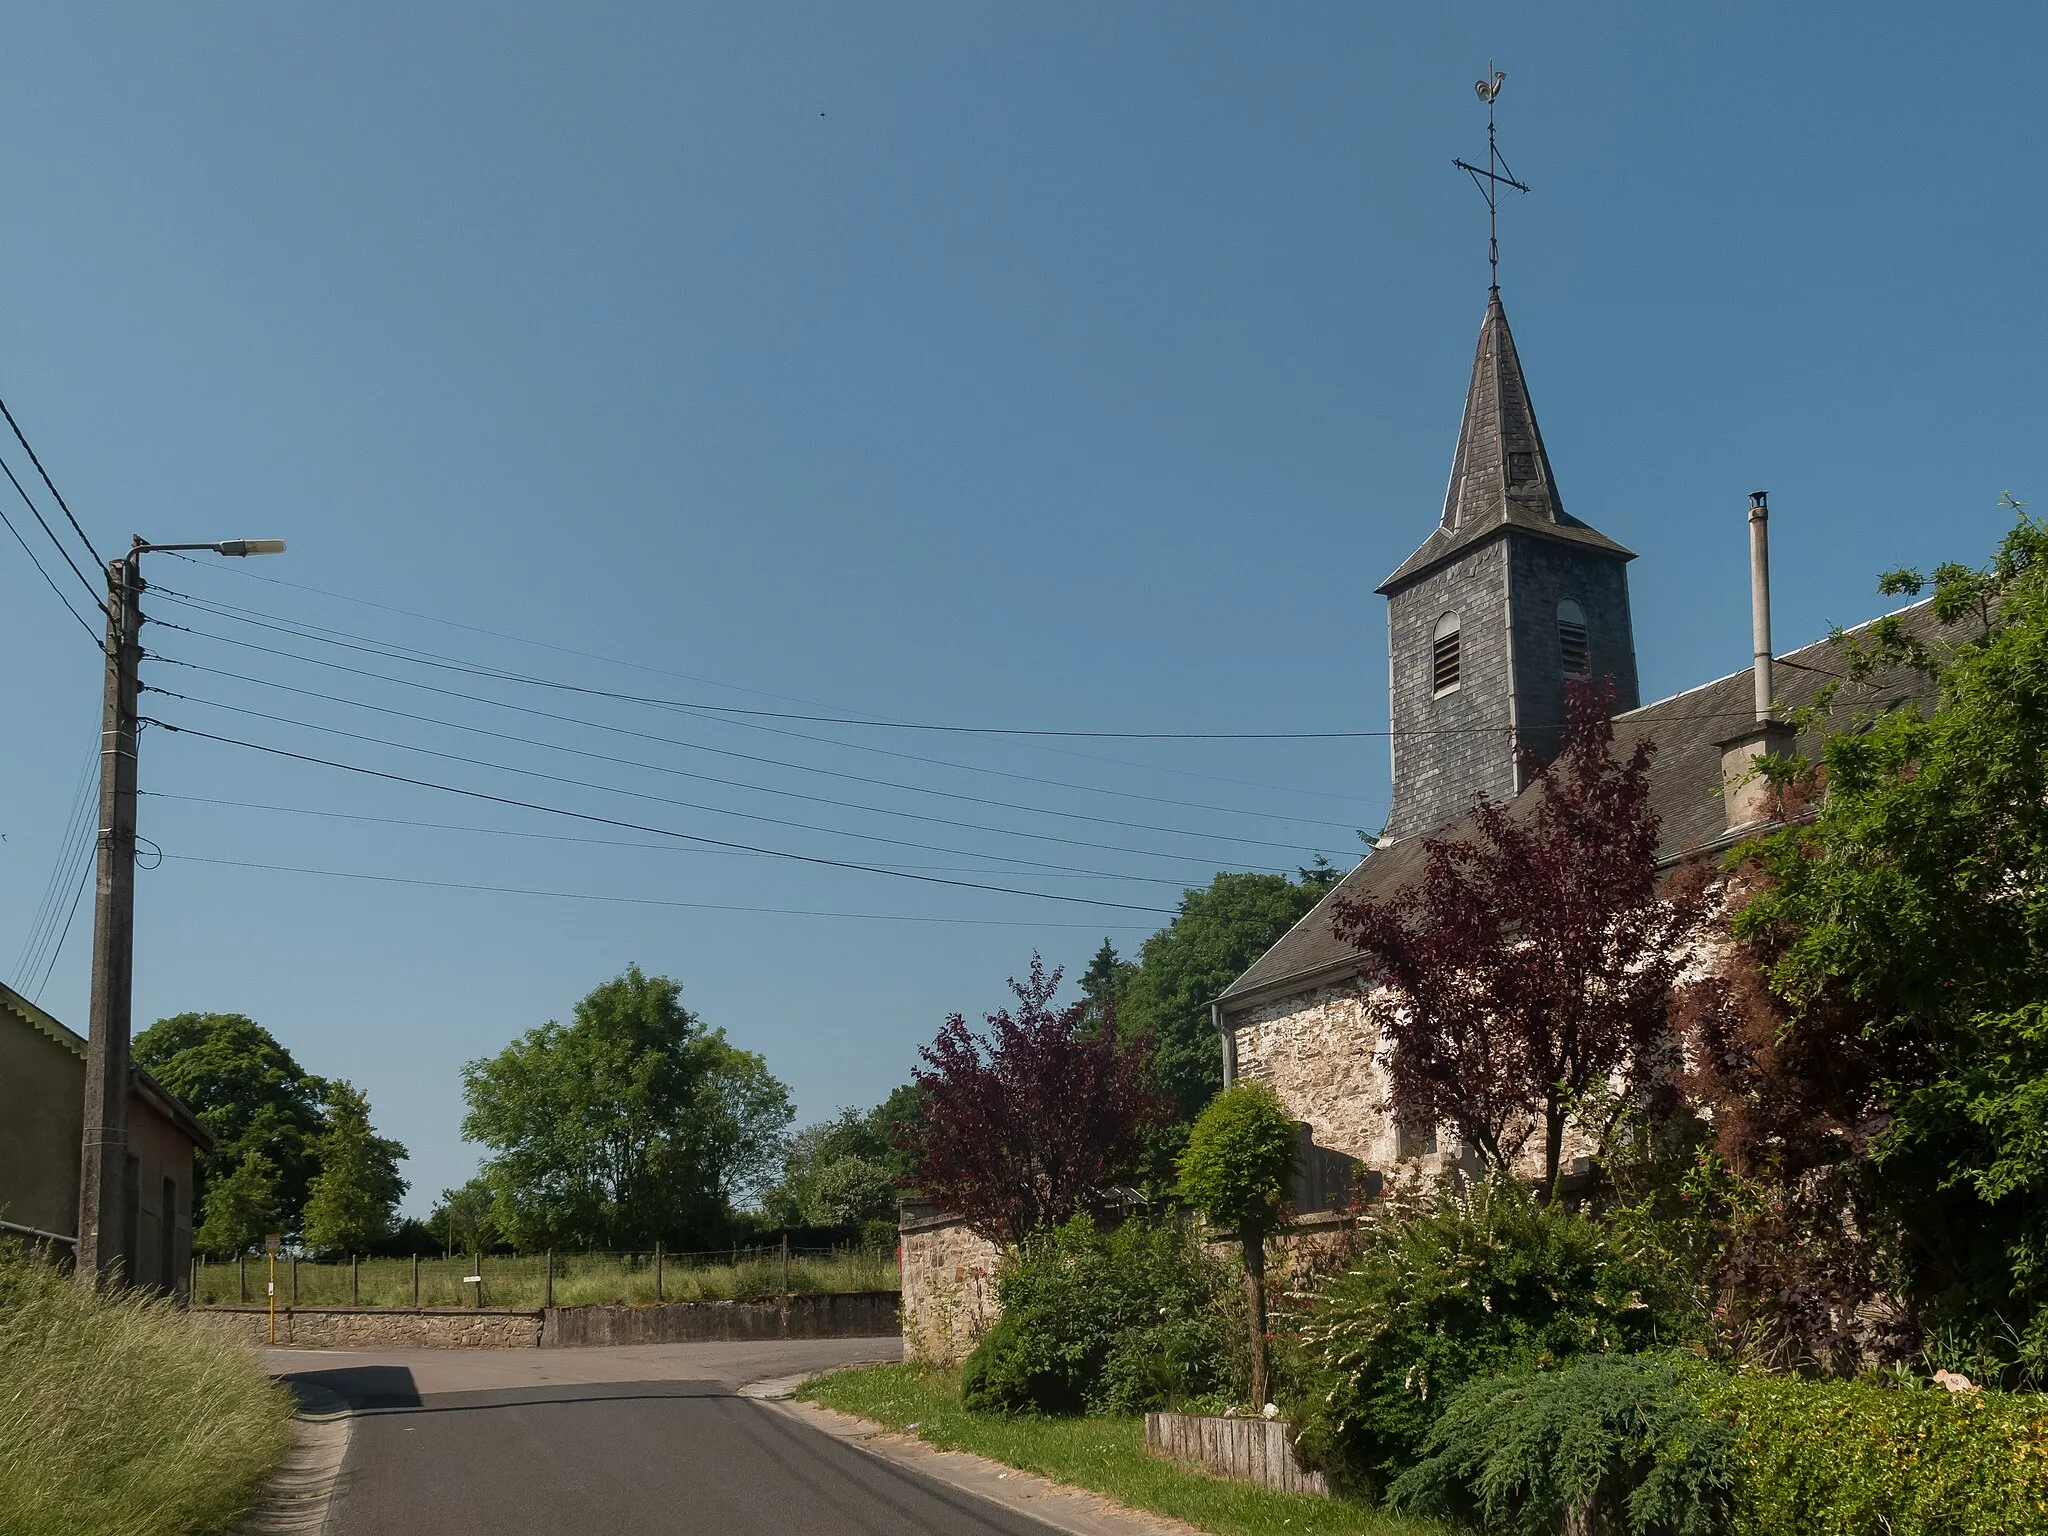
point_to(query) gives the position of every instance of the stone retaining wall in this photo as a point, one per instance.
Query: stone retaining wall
(1256, 1450)
(372, 1327)
(840, 1315)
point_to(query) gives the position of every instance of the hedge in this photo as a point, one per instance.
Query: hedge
(1852, 1458)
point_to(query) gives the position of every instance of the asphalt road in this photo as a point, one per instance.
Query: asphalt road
(618, 1441)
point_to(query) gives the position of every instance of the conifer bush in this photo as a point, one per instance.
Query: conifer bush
(1614, 1442)
(1467, 1282)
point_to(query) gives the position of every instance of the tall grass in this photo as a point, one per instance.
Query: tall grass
(119, 1418)
(581, 1279)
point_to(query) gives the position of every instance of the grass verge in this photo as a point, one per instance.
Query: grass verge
(119, 1418)
(1105, 1455)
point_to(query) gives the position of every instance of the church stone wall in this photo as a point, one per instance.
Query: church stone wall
(1319, 1051)
(1436, 775)
(1541, 574)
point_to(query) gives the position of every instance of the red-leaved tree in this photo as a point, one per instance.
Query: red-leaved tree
(1034, 1123)
(1535, 955)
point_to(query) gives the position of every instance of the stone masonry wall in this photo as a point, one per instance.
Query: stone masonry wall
(375, 1327)
(1318, 1050)
(949, 1291)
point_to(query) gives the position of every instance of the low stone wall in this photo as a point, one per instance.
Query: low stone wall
(374, 1327)
(840, 1315)
(949, 1285)
(1256, 1450)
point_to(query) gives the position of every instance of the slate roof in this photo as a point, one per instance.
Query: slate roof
(1685, 792)
(1498, 437)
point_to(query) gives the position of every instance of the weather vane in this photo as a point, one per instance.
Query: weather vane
(1496, 175)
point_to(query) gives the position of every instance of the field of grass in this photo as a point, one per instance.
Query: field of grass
(1105, 1455)
(581, 1279)
(119, 1418)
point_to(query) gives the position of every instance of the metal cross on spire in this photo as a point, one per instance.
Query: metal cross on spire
(1496, 175)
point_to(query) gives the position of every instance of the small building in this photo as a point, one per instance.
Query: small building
(42, 1129)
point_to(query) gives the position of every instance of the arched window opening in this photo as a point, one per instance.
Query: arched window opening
(1444, 655)
(1572, 648)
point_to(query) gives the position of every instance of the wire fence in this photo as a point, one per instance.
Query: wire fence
(538, 1279)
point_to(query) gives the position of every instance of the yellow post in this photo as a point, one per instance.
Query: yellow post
(271, 1243)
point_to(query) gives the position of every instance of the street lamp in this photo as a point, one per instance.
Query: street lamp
(104, 1187)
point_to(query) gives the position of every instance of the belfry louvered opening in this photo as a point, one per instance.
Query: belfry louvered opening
(1444, 655)
(1572, 646)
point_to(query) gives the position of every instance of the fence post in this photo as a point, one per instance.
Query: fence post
(295, 1279)
(242, 1277)
(479, 1273)
(415, 1282)
(197, 1266)
(657, 1272)
(785, 1285)
(551, 1279)
(355, 1279)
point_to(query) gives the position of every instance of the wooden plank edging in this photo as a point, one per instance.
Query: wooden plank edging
(1251, 1450)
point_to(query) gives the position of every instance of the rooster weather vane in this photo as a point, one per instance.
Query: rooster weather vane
(1496, 175)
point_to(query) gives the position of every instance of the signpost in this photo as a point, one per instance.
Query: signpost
(272, 1241)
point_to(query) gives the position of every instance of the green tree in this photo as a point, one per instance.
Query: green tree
(242, 1205)
(1239, 1158)
(844, 1170)
(251, 1096)
(1212, 940)
(465, 1219)
(349, 1208)
(1102, 984)
(1902, 929)
(742, 1112)
(633, 1123)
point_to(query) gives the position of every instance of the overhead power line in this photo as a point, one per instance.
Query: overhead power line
(32, 560)
(1140, 826)
(429, 659)
(641, 666)
(634, 826)
(687, 805)
(1039, 872)
(29, 447)
(36, 512)
(640, 901)
(751, 757)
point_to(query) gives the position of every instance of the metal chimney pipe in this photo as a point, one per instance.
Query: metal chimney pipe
(1760, 600)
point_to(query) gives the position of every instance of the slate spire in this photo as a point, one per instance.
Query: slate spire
(1500, 455)
(1500, 474)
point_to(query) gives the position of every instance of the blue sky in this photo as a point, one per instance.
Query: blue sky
(1080, 367)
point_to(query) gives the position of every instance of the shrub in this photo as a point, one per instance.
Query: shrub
(1616, 1441)
(1116, 1320)
(1841, 1458)
(1466, 1283)
(119, 1417)
(1235, 1169)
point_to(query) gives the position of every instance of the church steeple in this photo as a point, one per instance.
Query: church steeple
(1500, 474)
(1507, 599)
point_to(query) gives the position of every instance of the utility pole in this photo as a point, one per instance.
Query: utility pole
(103, 1168)
(104, 1197)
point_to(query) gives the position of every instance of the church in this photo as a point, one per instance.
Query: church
(1507, 600)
